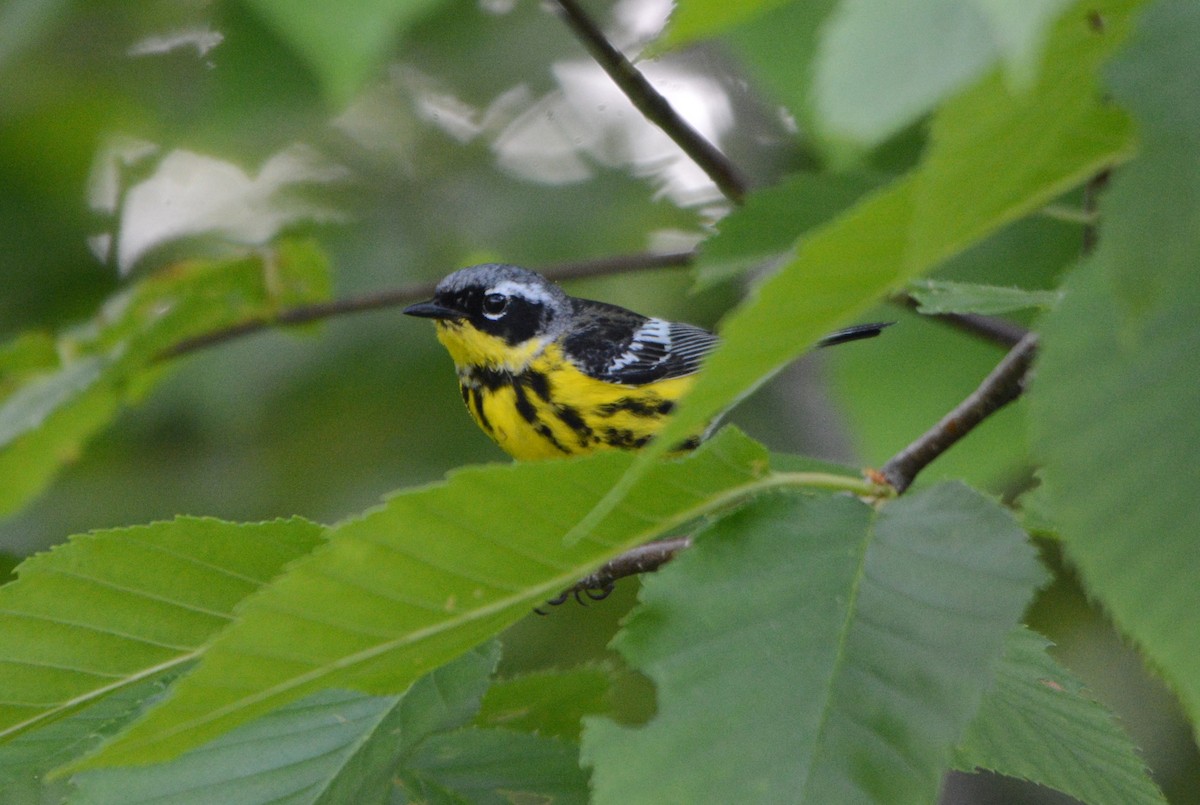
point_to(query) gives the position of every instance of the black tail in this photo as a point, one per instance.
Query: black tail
(854, 333)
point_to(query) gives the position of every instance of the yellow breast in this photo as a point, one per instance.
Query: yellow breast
(537, 404)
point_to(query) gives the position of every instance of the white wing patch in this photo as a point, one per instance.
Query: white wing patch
(672, 347)
(654, 331)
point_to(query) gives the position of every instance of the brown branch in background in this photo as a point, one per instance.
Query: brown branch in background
(653, 105)
(990, 328)
(1002, 386)
(395, 297)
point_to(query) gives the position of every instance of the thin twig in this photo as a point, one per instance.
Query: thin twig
(990, 328)
(653, 105)
(642, 559)
(1002, 386)
(998, 331)
(1005, 383)
(394, 297)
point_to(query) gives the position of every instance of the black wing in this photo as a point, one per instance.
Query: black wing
(619, 346)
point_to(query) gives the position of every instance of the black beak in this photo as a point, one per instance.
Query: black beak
(432, 310)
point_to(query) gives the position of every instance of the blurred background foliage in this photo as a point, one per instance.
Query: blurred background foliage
(429, 136)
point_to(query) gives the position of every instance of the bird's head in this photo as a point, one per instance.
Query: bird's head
(495, 315)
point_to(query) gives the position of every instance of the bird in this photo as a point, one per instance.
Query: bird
(545, 374)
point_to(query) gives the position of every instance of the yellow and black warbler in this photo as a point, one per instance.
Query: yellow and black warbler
(546, 374)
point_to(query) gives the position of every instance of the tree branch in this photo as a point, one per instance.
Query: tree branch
(653, 105)
(1002, 386)
(990, 328)
(395, 297)
(642, 559)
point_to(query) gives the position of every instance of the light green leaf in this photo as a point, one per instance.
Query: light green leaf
(849, 673)
(344, 43)
(693, 20)
(943, 296)
(1039, 143)
(1038, 724)
(549, 703)
(882, 65)
(330, 748)
(423, 578)
(766, 226)
(779, 48)
(1019, 32)
(110, 609)
(1116, 414)
(23, 22)
(55, 394)
(1019, 151)
(493, 767)
(45, 422)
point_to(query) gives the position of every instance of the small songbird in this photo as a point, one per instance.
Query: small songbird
(546, 374)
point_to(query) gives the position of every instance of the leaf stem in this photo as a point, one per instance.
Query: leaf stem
(649, 557)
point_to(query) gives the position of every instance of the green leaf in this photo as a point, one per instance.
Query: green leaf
(423, 578)
(942, 296)
(112, 608)
(849, 673)
(549, 703)
(1038, 143)
(344, 43)
(332, 747)
(883, 65)
(766, 227)
(31, 755)
(1038, 724)
(45, 422)
(1116, 416)
(778, 47)
(494, 767)
(1018, 151)
(693, 20)
(55, 394)
(23, 22)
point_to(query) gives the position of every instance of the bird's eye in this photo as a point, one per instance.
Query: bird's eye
(494, 305)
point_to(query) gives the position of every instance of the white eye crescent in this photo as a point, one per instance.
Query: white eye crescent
(494, 305)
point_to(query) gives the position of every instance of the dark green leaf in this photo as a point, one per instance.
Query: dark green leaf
(330, 748)
(493, 767)
(549, 703)
(27, 758)
(1116, 414)
(1038, 724)
(847, 676)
